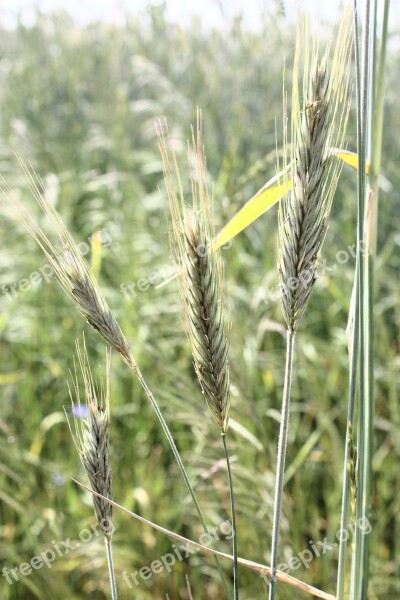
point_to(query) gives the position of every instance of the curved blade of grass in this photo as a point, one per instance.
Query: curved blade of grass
(263, 569)
(351, 159)
(262, 201)
(267, 197)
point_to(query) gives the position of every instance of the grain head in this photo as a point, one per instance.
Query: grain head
(91, 435)
(318, 123)
(200, 275)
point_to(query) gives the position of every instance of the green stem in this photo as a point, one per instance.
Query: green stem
(111, 571)
(365, 412)
(350, 419)
(359, 556)
(280, 470)
(377, 108)
(371, 227)
(182, 469)
(233, 512)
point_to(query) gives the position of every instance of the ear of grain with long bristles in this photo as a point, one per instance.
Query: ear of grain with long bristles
(73, 272)
(318, 125)
(91, 435)
(200, 276)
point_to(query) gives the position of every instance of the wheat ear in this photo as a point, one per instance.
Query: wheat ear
(201, 289)
(91, 436)
(201, 279)
(318, 125)
(71, 269)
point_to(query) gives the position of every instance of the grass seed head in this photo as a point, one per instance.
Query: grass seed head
(318, 124)
(73, 272)
(91, 435)
(200, 276)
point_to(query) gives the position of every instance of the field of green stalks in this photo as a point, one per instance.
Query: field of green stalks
(80, 103)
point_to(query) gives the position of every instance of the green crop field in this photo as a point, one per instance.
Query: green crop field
(80, 103)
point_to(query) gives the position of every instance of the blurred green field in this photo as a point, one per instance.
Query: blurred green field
(81, 102)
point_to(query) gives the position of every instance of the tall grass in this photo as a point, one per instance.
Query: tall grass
(92, 440)
(319, 118)
(91, 137)
(200, 277)
(369, 140)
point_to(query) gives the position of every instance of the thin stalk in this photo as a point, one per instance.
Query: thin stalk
(263, 570)
(344, 519)
(367, 370)
(280, 470)
(358, 554)
(233, 512)
(182, 469)
(111, 572)
(365, 413)
(355, 342)
(358, 276)
(371, 226)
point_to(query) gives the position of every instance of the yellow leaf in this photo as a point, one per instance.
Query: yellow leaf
(263, 200)
(269, 195)
(351, 159)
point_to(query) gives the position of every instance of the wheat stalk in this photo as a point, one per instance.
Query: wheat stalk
(201, 280)
(203, 312)
(76, 278)
(201, 289)
(318, 124)
(91, 436)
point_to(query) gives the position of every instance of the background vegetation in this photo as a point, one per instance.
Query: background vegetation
(80, 102)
